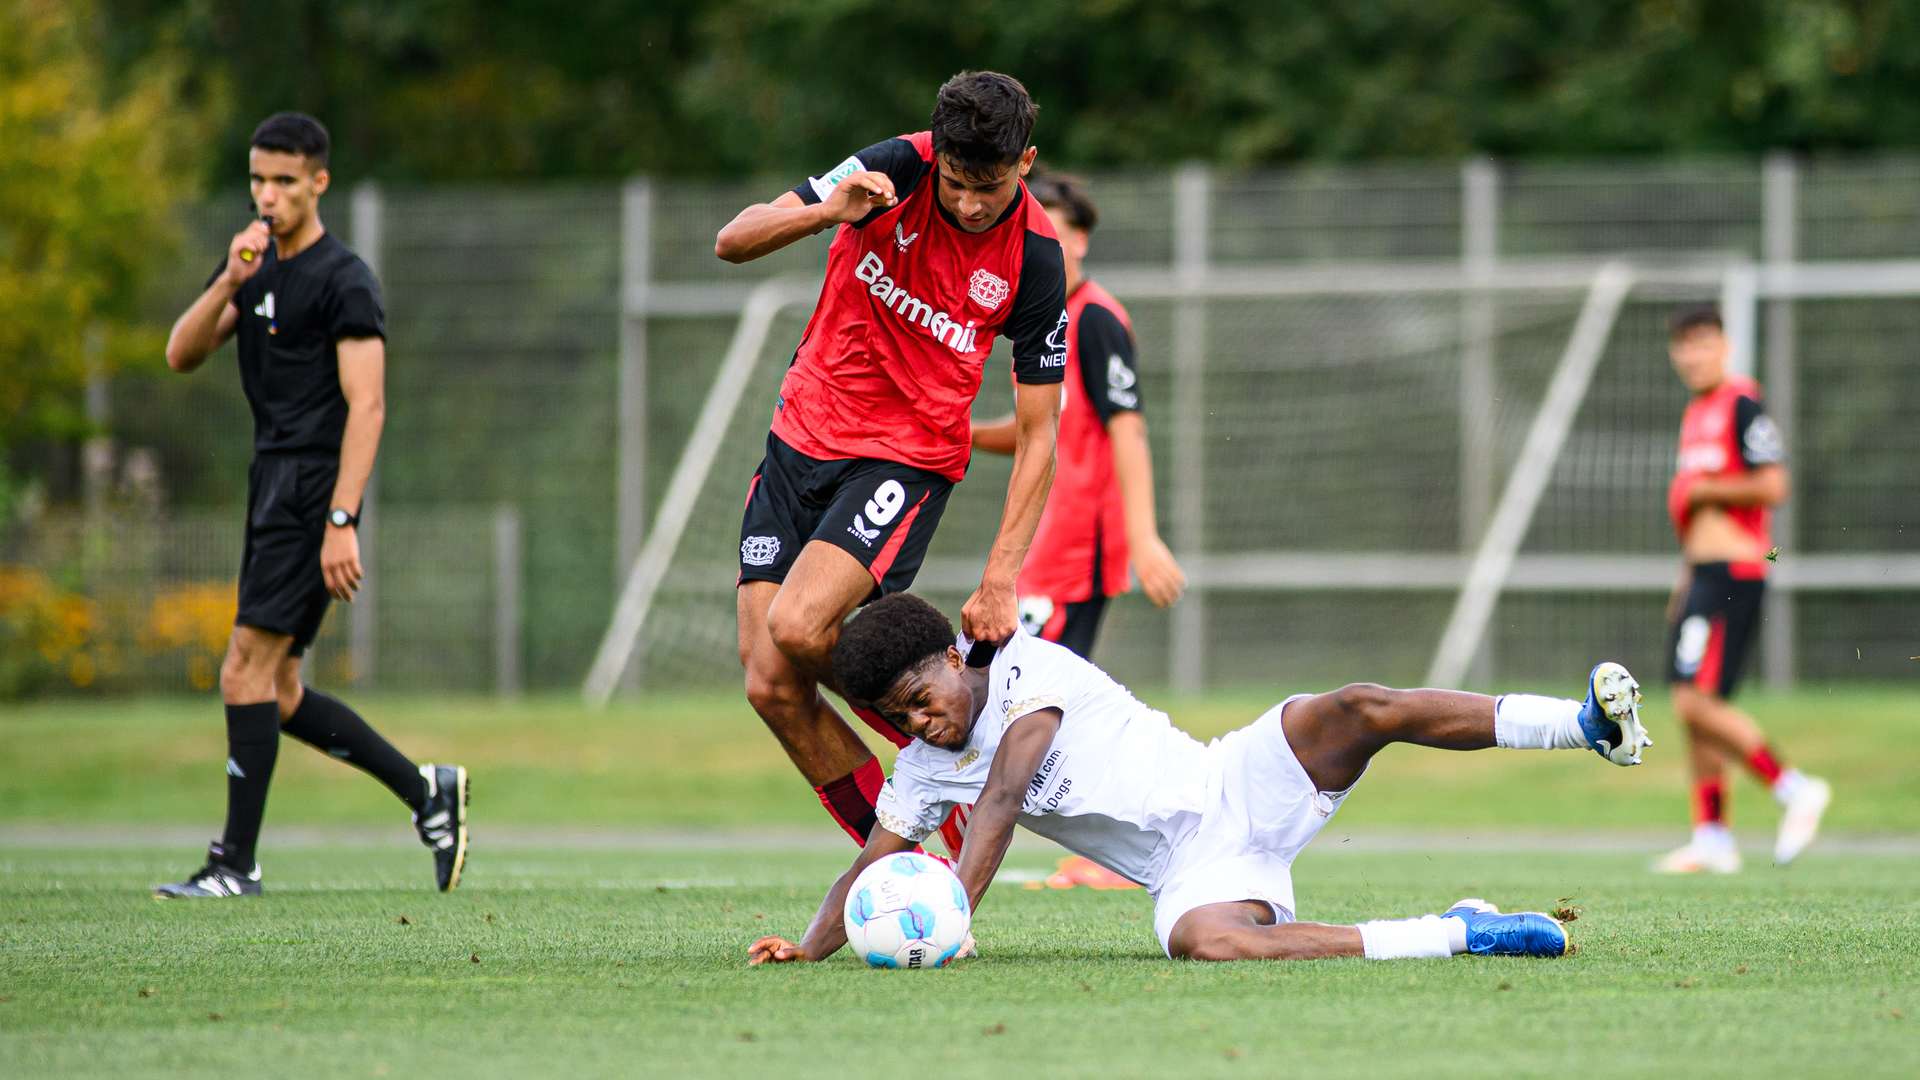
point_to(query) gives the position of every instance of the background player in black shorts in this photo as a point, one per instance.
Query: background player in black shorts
(312, 345)
(1099, 522)
(1728, 475)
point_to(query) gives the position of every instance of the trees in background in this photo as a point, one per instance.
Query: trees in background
(91, 167)
(424, 89)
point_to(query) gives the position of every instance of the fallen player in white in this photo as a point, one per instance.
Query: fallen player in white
(1047, 740)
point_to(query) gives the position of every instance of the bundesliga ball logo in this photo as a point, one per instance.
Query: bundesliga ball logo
(907, 911)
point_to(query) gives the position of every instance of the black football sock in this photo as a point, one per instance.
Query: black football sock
(328, 725)
(253, 741)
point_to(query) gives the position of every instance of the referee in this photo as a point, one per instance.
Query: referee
(312, 344)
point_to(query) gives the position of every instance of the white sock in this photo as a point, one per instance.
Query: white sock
(1713, 835)
(1411, 939)
(1788, 785)
(1533, 722)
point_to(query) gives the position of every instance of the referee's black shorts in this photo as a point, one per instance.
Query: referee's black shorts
(281, 588)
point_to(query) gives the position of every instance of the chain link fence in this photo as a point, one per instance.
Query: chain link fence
(550, 348)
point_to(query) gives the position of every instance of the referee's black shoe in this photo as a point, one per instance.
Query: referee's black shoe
(217, 878)
(443, 822)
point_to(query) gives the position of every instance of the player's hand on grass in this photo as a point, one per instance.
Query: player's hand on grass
(1160, 576)
(775, 950)
(992, 613)
(859, 195)
(252, 240)
(340, 562)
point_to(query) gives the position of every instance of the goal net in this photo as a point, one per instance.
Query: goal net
(1329, 456)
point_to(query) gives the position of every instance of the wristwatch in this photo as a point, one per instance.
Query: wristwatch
(340, 518)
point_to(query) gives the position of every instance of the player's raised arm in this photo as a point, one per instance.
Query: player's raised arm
(828, 931)
(990, 828)
(867, 183)
(764, 228)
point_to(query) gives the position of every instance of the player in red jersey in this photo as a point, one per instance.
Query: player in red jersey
(1099, 518)
(1729, 475)
(937, 251)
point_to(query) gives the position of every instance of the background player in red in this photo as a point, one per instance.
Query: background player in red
(938, 249)
(1729, 475)
(1100, 516)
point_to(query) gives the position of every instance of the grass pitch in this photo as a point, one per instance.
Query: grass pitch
(555, 962)
(706, 761)
(605, 953)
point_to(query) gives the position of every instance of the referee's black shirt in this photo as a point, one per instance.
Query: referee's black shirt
(293, 312)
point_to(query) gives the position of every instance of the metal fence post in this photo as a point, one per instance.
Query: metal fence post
(97, 452)
(1780, 211)
(636, 257)
(363, 631)
(1479, 251)
(507, 585)
(1192, 213)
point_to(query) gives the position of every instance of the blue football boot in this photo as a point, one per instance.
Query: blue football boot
(1525, 933)
(1610, 718)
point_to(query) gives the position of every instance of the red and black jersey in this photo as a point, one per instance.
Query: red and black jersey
(1726, 431)
(1083, 532)
(891, 360)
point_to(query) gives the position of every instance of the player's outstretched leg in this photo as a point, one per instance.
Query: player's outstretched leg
(1247, 930)
(1334, 735)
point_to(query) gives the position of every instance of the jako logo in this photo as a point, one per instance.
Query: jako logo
(944, 327)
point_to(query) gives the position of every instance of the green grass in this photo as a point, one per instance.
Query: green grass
(623, 959)
(707, 761)
(564, 963)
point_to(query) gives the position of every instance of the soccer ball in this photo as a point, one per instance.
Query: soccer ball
(907, 911)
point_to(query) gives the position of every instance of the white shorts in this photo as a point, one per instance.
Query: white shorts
(1261, 811)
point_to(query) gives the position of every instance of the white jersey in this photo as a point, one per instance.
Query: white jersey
(1119, 783)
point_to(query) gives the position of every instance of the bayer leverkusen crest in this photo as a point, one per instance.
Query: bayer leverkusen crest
(987, 289)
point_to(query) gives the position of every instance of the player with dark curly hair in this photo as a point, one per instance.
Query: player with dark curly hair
(1042, 738)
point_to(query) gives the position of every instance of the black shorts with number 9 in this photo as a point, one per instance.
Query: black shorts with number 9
(882, 513)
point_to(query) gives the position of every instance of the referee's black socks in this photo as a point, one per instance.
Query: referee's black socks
(253, 741)
(328, 725)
